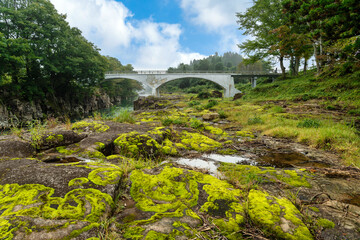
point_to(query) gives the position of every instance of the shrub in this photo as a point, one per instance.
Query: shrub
(211, 104)
(309, 123)
(255, 120)
(167, 122)
(196, 123)
(193, 103)
(222, 114)
(124, 115)
(277, 109)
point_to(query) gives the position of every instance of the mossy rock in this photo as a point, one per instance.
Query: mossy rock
(89, 126)
(66, 201)
(170, 202)
(134, 144)
(277, 216)
(59, 138)
(244, 173)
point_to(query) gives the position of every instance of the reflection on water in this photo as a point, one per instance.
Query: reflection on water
(211, 162)
(288, 159)
(199, 163)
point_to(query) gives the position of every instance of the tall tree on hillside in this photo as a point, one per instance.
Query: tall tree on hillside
(333, 27)
(258, 21)
(42, 53)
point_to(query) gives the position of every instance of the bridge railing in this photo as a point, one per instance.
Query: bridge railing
(191, 72)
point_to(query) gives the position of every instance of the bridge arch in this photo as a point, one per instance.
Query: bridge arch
(154, 81)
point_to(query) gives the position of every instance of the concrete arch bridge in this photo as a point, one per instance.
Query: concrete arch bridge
(152, 80)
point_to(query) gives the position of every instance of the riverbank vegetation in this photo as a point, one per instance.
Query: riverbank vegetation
(51, 66)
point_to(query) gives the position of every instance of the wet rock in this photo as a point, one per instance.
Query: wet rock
(210, 116)
(58, 138)
(151, 102)
(14, 147)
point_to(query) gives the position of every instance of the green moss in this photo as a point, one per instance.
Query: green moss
(325, 223)
(215, 130)
(54, 138)
(174, 192)
(134, 144)
(227, 151)
(198, 142)
(315, 209)
(65, 151)
(134, 233)
(92, 154)
(100, 146)
(78, 182)
(293, 178)
(278, 216)
(168, 148)
(245, 134)
(35, 200)
(96, 126)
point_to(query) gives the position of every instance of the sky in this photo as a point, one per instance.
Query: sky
(157, 34)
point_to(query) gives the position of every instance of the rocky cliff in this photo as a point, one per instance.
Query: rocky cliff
(16, 112)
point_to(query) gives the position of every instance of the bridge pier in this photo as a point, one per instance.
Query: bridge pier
(253, 82)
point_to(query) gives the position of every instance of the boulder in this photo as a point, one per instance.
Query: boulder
(238, 96)
(210, 116)
(14, 147)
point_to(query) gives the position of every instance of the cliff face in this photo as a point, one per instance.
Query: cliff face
(16, 112)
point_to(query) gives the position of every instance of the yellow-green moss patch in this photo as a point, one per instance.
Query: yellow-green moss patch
(277, 215)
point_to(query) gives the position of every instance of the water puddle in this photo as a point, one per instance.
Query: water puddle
(68, 160)
(288, 160)
(210, 162)
(199, 163)
(230, 159)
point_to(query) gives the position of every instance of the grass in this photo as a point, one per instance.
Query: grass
(124, 115)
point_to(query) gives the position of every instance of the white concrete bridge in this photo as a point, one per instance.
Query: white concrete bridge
(152, 80)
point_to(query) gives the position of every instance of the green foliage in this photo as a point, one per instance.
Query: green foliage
(193, 103)
(167, 122)
(211, 104)
(255, 120)
(124, 115)
(40, 54)
(196, 123)
(222, 114)
(309, 123)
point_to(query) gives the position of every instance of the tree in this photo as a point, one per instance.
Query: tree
(258, 21)
(42, 54)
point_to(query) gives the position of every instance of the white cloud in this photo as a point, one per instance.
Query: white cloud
(109, 24)
(217, 17)
(214, 14)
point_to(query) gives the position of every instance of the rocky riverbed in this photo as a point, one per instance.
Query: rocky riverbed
(171, 175)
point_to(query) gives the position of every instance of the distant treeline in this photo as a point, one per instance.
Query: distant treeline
(229, 62)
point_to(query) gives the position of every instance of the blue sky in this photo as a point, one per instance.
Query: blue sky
(157, 34)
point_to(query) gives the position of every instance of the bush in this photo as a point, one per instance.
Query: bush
(124, 116)
(193, 103)
(196, 123)
(309, 123)
(211, 104)
(277, 109)
(222, 114)
(255, 120)
(167, 122)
